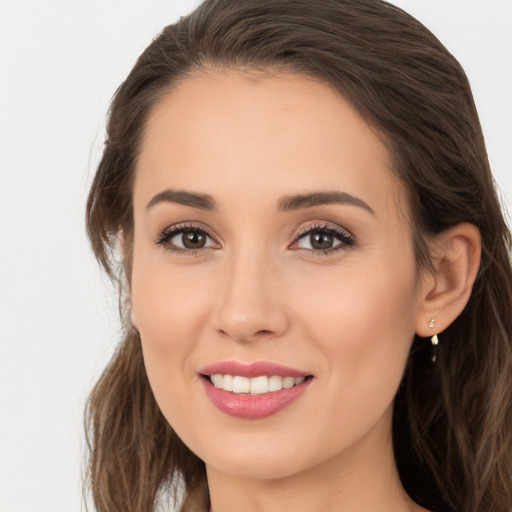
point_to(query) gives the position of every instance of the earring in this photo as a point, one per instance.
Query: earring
(434, 340)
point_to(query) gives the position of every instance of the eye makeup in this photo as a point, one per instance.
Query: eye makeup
(318, 238)
(322, 238)
(193, 239)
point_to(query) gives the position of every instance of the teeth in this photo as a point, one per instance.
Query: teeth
(228, 383)
(241, 384)
(288, 382)
(259, 385)
(275, 383)
(218, 381)
(256, 385)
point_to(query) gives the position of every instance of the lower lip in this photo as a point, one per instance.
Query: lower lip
(253, 406)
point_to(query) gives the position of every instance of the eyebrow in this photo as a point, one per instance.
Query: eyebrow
(285, 204)
(201, 201)
(290, 203)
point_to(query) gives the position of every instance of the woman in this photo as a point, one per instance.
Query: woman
(314, 271)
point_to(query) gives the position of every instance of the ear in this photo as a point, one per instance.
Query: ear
(446, 291)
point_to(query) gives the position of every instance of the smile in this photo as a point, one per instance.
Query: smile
(255, 390)
(256, 385)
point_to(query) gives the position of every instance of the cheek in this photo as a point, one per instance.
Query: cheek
(170, 313)
(363, 322)
(169, 303)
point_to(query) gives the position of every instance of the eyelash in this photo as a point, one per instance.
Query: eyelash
(170, 232)
(347, 240)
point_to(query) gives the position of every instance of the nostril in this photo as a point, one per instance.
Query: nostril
(245, 322)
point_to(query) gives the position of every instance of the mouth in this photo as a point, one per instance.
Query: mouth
(255, 390)
(260, 385)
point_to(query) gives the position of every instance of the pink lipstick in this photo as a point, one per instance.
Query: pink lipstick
(254, 390)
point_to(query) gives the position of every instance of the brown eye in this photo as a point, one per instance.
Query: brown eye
(321, 240)
(193, 239)
(185, 239)
(324, 239)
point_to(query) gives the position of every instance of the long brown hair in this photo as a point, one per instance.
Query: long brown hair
(452, 421)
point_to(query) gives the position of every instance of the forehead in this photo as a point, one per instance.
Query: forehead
(224, 131)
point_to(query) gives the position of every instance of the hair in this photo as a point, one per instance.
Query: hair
(452, 423)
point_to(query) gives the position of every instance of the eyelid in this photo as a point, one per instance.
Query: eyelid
(165, 235)
(346, 239)
(343, 235)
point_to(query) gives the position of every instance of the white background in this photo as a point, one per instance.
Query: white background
(60, 62)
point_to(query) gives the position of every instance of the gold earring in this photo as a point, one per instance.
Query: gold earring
(434, 339)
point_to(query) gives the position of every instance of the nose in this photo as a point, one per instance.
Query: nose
(250, 304)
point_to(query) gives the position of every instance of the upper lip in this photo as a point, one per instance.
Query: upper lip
(255, 369)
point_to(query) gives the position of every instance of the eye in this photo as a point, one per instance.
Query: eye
(185, 239)
(191, 240)
(323, 238)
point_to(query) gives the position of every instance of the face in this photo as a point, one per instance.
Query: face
(271, 250)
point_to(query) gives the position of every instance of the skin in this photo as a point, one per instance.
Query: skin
(258, 291)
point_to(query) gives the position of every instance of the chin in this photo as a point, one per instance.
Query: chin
(255, 467)
(260, 457)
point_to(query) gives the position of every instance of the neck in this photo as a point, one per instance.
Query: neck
(364, 477)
